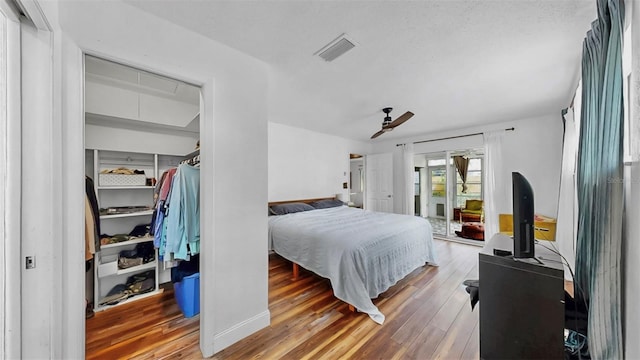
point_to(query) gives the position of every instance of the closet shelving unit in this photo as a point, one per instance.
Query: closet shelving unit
(107, 274)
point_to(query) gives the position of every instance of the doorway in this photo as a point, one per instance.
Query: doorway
(138, 125)
(443, 183)
(356, 181)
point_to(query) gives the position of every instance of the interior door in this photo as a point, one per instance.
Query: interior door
(379, 182)
(10, 182)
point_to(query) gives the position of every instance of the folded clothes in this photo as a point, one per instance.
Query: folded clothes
(122, 171)
(142, 282)
(125, 263)
(142, 286)
(136, 284)
(140, 230)
(124, 209)
(109, 239)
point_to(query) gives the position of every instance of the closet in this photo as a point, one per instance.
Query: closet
(138, 126)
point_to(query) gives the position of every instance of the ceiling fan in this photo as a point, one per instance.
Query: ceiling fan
(388, 125)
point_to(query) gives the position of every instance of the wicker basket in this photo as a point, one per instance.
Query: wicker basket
(122, 180)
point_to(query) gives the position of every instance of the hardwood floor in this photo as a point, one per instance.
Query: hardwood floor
(428, 316)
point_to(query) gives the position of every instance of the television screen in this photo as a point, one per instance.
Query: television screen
(523, 214)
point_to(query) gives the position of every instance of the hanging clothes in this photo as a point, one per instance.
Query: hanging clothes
(161, 209)
(183, 218)
(92, 220)
(89, 231)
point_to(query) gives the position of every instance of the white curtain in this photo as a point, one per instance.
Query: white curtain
(494, 189)
(567, 222)
(408, 173)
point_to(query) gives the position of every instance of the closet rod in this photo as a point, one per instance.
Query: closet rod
(454, 137)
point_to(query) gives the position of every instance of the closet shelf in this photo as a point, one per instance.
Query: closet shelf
(133, 298)
(128, 242)
(139, 213)
(147, 266)
(129, 187)
(110, 268)
(129, 202)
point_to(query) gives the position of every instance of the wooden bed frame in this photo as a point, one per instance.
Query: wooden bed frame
(296, 267)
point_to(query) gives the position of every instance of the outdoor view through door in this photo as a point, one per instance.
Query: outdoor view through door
(448, 191)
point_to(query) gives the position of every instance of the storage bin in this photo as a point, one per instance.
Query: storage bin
(187, 293)
(122, 180)
(108, 265)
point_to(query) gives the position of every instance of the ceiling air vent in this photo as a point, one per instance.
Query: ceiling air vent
(336, 48)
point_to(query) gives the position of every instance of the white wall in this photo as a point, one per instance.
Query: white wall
(233, 194)
(305, 164)
(632, 245)
(534, 149)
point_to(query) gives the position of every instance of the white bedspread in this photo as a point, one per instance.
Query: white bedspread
(361, 252)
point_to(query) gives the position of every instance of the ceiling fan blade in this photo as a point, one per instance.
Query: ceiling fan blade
(377, 134)
(397, 122)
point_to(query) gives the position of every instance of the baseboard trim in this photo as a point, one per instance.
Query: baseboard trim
(240, 331)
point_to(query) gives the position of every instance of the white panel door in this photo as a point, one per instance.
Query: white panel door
(10, 183)
(379, 182)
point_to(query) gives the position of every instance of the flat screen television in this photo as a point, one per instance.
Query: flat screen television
(523, 214)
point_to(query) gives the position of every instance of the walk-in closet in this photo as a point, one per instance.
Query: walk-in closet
(142, 218)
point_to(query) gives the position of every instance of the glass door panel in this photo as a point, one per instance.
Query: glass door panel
(437, 195)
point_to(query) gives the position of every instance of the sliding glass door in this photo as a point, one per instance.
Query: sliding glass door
(448, 192)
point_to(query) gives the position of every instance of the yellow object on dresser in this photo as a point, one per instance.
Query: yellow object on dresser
(544, 227)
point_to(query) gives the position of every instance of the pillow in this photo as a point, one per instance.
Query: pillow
(289, 208)
(328, 203)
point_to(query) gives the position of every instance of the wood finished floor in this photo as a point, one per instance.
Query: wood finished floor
(428, 316)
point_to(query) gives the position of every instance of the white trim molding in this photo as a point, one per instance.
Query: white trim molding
(236, 333)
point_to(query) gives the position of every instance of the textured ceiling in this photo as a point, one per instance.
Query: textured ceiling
(453, 63)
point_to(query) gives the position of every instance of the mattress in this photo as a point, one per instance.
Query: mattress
(361, 252)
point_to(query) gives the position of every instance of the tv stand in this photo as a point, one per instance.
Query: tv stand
(521, 303)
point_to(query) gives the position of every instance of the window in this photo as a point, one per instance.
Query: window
(474, 183)
(416, 182)
(438, 182)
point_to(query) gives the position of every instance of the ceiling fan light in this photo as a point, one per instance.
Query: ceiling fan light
(388, 125)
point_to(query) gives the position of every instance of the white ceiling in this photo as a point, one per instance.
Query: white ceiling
(453, 63)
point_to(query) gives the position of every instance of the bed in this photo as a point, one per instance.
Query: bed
(361, 252)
